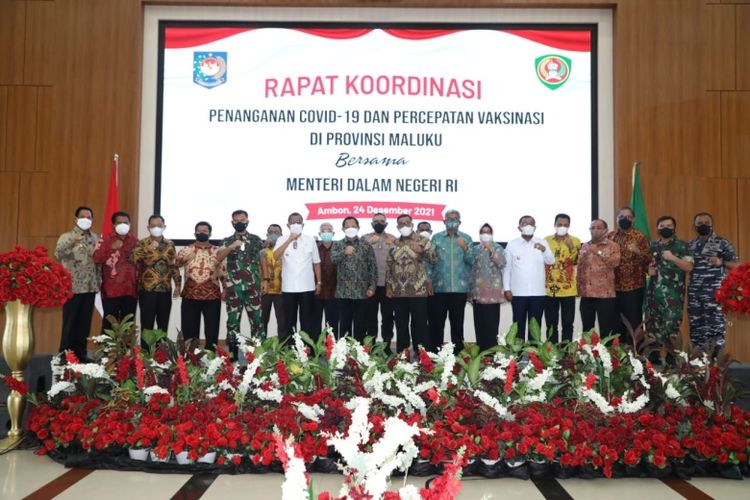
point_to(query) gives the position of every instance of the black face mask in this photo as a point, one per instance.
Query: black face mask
(239, 226)
(202, 237)
(666, 232)
(379, 227)
(704, 229)
(624, 223)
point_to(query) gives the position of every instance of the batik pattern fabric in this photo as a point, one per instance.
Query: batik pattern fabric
(406, 270)
(157, 269)
(204, 272)
(486, 280)
(560, 277)
(451, 271)
(77, 256)
(119, 274)
(357, 272)
(273, 265)
(631, 273)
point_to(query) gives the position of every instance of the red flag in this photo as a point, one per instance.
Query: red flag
(113, 198)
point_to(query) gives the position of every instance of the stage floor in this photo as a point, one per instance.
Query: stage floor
(25, 475)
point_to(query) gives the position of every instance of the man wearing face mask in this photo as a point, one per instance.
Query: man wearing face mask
(75, 250)
(597, 262)
(357, 279)
(561, 280)
(300, 276)
(406, 282)
(382, 243)
(242, 253)
(155, 257)
(523, 275)
(424, 228)
(630, 275)
(119, 274)
(205, 275)
(270, 271)
(665, 294)
(450, 280)
(713, 256)
(325, 301)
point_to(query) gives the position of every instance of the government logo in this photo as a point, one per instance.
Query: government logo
(209, 68)
(553, 70)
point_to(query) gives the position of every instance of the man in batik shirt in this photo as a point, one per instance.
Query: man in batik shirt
(242, 253)
(665, 294)
(406, 282)
(155, 258)
(205, 275)
(119, 274)
(75, 249)
(713, 256)
(630, 275)
(356, 279)
(560, 281)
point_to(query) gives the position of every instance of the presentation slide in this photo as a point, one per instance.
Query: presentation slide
(338, 120)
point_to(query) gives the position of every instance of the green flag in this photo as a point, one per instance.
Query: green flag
(638, 204)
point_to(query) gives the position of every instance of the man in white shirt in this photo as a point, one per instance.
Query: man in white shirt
(300, 276)
(524, 276)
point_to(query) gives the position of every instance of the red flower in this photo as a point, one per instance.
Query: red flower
(182, 371)
(71, 358)
(425, 361)
(590, 380)
(538, 365)
(282, 372)
(33, 278)
(509, 379)
(329, 345)
(15, 385)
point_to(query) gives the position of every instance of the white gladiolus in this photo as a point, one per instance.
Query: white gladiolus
(313, 412)
(92, 370)
(153, 389)
(295, 484)
(494, 404)
(299, 349)
(58, 387)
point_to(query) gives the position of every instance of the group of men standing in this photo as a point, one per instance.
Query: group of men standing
(415, 281)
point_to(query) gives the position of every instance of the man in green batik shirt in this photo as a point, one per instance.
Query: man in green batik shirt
(665, 293)
(242, 251)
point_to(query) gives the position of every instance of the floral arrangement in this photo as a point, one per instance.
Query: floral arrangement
(591, 407)
(734, 293)
(33, 278)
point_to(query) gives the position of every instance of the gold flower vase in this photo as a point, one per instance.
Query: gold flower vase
(18, 346)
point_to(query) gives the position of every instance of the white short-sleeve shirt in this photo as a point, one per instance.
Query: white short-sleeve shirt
(297, 273)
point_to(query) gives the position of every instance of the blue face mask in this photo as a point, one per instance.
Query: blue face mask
(326, 237)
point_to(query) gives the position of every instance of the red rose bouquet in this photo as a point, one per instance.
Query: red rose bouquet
(33, 278)
(734, 294)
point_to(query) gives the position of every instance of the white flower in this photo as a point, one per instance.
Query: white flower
(100, 339)
(409, 492)
(269, 395)
(295, 484)
(58, 387)
(598, 400)
(637, 366)
(494, 404)
(299, 349)
(153, 389)
(672, 393)
(58, 369)
(633, 406)
(92, 370)
(447, 359)
(537, 383)
(338, 354)
(493, 373)
(310, 412)
(212, 366)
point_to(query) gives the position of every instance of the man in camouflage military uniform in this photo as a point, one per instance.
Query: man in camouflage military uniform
(713, 256)
(665, 294)
(242, 251)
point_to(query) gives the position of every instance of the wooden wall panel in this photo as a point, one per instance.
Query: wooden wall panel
(12, 36)
(735, 124)
(20, 135)
(3, 124)
(43, 48)
(719, 58)
(9, 212)
(743, 47)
